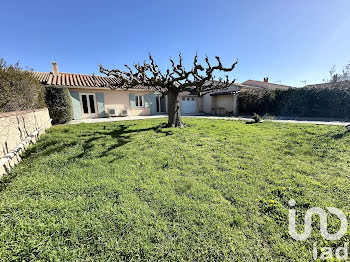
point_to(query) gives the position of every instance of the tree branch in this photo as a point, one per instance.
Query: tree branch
(198, 80)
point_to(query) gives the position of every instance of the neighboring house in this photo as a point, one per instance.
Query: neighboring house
(265, 84)
(225, 101)
(333, 84)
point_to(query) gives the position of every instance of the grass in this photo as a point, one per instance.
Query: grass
(215, 190)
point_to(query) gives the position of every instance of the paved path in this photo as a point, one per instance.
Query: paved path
(315, 121)
(295, 121)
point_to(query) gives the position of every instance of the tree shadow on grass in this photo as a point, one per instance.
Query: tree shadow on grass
(341, 135)
(46, 148)
(6, 180)
(121, 136)
(40, 149)
(87, 146)
(125, 130)
(334, 135)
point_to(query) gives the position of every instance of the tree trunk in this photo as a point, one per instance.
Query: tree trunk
(174, 117)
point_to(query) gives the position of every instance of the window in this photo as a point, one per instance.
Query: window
(138, 101)
(88, 103)
(85, 104)
(92, 104)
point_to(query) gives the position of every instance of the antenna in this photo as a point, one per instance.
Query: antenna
(303, 82)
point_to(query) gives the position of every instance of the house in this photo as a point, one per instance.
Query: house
(265, 84)
(225, 101)
(92, 96)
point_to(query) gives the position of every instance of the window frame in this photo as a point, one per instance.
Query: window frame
(89, 114)
(137, 101)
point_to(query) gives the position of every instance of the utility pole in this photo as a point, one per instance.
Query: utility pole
(303, 82)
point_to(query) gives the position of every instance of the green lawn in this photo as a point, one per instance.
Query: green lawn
(215, 190)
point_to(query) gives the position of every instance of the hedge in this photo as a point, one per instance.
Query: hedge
(59, 103)
(19, 90)
(330, 100)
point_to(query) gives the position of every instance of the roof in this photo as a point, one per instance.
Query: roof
(75, 80)
(187, 93)
(228, 92)
(232, 89)
(265, 85)
(340, 84)
(322, 85)
(240, 86)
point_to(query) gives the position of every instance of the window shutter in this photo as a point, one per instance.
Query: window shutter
(100, 97)
(147, 102)
(75, 104)
(153, 104)
(166, 104)
(132, 100)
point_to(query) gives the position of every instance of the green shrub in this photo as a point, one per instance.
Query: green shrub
(256, 118)
(19, 89)
(59, 104)
(332, 100)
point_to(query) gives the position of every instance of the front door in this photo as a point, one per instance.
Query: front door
(88, 105)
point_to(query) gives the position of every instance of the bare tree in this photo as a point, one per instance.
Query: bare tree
(343, 76)
(199, 80)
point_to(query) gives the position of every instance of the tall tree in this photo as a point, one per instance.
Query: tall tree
(199, 80)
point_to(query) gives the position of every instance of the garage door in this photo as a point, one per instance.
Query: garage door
(188, 105)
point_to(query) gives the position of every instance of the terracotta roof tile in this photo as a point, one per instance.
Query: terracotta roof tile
(77, 80)
(265, 85)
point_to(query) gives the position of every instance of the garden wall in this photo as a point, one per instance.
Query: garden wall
(17, 130)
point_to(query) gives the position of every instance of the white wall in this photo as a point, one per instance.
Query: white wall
(118, 99)
(224, 101)
(228, 102)
(206, 104)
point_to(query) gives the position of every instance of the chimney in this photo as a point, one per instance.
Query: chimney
(266, 79)
(55, 68)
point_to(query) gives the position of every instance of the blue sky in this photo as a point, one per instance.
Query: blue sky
(288, 41)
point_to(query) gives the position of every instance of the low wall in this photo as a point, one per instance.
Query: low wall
(17, 130)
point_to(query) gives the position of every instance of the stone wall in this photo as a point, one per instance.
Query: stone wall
(18, 129)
